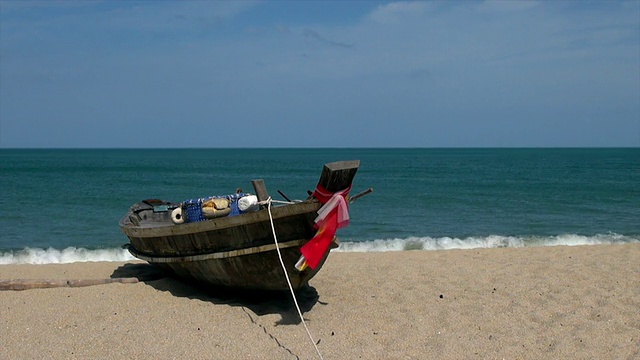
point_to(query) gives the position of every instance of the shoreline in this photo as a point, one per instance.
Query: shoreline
(71, 254)
(534, 302)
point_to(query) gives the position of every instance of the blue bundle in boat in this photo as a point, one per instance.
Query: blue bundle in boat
(193, 207)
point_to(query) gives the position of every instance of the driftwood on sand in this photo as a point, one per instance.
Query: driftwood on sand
(27, 284)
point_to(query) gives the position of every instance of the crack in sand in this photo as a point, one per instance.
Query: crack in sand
(264, 329)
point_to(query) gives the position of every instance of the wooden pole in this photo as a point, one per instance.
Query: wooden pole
(27, 284)
(359, 195)
(338, 175)
(261, 190)
(284, 196)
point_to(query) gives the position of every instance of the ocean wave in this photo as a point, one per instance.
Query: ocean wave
(486, 242)
(65, 256)
(73, 254)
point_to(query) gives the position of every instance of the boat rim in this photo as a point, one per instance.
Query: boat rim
(171, 229)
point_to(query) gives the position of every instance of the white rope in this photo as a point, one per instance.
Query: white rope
(286, 274)
(270, 200)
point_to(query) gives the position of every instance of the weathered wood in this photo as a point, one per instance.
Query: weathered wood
(261, 189)
(284, 196)
(359, 195)
(217, 255)
(152, 228)
(258, 271)
(338, 175)
(27, 284)
(292, 222)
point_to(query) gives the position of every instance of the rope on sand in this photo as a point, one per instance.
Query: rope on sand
(286, 274)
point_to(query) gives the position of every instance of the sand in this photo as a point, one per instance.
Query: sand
(579, 302)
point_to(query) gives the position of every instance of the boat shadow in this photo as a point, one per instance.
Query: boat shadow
(259, 302)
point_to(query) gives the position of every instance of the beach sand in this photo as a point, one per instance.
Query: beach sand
(580, 302)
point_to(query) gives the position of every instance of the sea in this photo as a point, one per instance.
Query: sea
(64, 205)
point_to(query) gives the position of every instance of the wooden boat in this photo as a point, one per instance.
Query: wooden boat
(234, 251)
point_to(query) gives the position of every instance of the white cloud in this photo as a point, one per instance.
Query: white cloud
(397, 11)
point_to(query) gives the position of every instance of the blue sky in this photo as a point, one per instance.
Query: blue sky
(319, 74)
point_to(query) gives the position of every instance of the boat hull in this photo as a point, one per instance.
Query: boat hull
(237, 251)
(259, 270)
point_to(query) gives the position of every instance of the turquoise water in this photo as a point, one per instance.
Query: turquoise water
(64, 205)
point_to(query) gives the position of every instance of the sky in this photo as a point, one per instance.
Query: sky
(253, 74)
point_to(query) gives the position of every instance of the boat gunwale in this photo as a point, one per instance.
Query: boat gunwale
(171, 229)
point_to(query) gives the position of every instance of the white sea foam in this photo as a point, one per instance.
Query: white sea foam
(72, 254)
(488, 242)
(68, 255)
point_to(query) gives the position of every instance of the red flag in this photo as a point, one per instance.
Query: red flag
(332, 216)
(317, 247)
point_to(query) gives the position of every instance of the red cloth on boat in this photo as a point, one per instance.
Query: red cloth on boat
(333, 215)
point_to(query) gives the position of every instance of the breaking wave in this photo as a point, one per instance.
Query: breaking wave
(486, 242)
(73, 254)
(68, 255)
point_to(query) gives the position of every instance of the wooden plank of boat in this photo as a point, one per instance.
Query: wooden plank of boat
(170, 229)
(216, 255)
(205, 237)
(338, 175)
